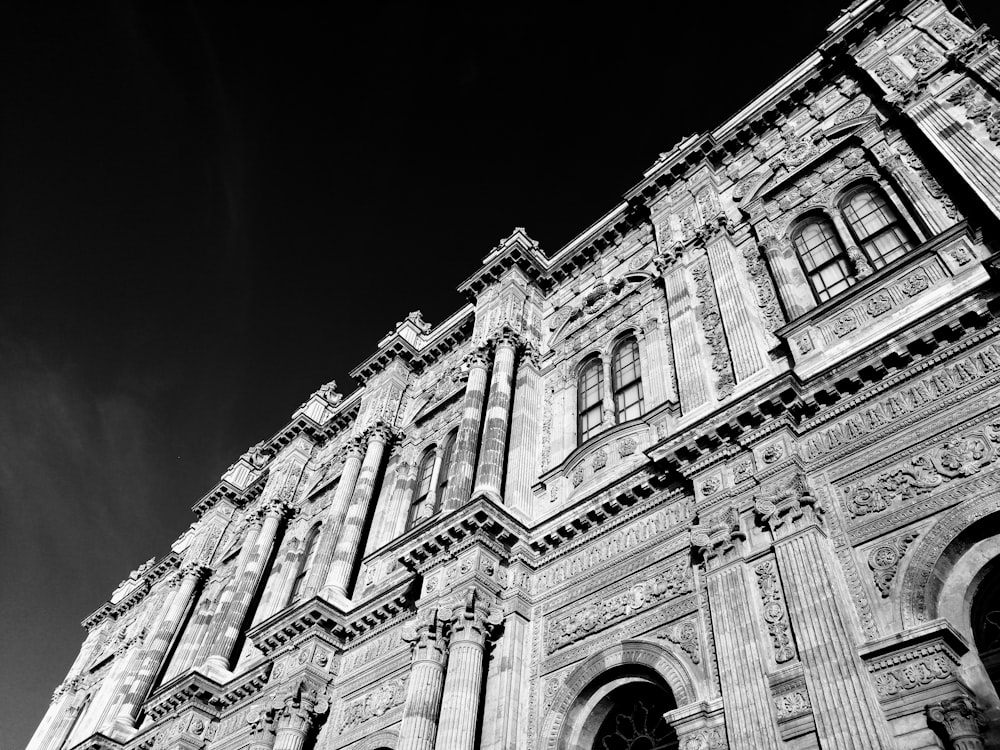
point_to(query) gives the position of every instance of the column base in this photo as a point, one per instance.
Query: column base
(337, 598)
(123, 729)
(217, 669)
(487, 494)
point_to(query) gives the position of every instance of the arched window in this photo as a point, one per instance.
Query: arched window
(446, 457)
(875, 225)
(590, 396)
(626, 379)
(305, 563)
(422, 490)
(823, 257)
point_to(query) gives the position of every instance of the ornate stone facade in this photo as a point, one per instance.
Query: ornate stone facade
(720, 473)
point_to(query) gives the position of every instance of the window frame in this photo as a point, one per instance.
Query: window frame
(821, 217)
(898, 222)
(582, 411)
(619, 388)
(427, 458)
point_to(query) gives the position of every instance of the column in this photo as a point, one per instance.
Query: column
(262, 728)
(691, 365)
(793, 286)
(961, 720)
(910, 184)
(247, 580)
(607, 395)
(489, 477)
(425, 685)
(349, 543)
(525, 421)
(295, 719)
(333, 519)
(464, 679)
(746, 694)
(159, 642)
(833, 670)
(463, 464)
(508, 684)
(745, 331)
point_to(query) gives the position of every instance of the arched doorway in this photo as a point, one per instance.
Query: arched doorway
(985, 622)
(622, 709)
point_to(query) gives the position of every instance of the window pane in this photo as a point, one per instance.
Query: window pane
(424, 480)
(824, 258)
(887, 246)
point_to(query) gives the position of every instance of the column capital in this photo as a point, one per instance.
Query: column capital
(473, 619)
(508, 337)
(380, 432)
(275, 508)
(299, 708)
(355, 447)
(193, 570)
(787, 503)
(425, 634)
(262, 727)
(962, 721)
(719, 539)
(478, 357)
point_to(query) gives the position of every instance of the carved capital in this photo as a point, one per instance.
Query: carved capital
(961, 720)
(425, 634)
(473, 618)
(355, 447)
(195, 570)
(380, 432)
(478, 358)
(275, 508)
(786, 502)
(717, 541)
(299, 708)
(508, 338)
(261, 721)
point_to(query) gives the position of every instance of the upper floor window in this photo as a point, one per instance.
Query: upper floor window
(626, 378)
(823, 256)
(305, 563)
(875, 225)
(422, 490)
(446, 457)
(590, 398)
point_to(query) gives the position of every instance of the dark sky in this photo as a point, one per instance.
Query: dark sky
(208, 211)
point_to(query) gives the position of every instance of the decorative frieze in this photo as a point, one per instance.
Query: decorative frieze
(955, 459)
(883, 412)
(792, 700)
(372, 704)
(580, 623)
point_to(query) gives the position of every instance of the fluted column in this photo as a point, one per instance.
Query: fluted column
(834, 673)
(489, 477)
(295, 719)
(749, 709)
(334, 518)
(425, 685)
(525, 418)
(466, 444)
(692, 366)
(463, 682)
(348, 545)
(792, 286)
(187, 581)
(227, 633)
(961, 720)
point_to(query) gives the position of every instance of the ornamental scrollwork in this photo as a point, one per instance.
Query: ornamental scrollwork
(884, 560)
(978, 109)
(711, 320)
(685, 636)
(775, 613)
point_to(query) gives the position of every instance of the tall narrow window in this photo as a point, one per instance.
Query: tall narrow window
(425, 475)
(446, 457)
(305, 563)
(590, 394)
(626, 378)
(823, 256)
(875, 225)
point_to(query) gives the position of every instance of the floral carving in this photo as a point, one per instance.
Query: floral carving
(743, 471)
(711, 321)
(961, 254)
(627, 446)
(767, 300)
(922, 57)
(915, 283)
(957, 458)
(978, 109)
(794, 702)
(671, 582)
(889, 75)
(884, 560)
(600, 460)
(911, 674)
(930, 184)
(373, 704)
(684, 635)
(775, 614)
(577, 476)
(772, 453)
(845, 323)
(853, 110)
(804, 342)
(878, 304)
(948, 30)
(711, 486)
(746, 185)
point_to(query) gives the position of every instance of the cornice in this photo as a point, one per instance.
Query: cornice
(158, 570)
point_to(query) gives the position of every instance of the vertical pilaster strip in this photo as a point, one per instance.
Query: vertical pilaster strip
(507, 687)
(833, 670)
(159, 643)
(744, 332)
(467, 443)
(489, 476)
(247, 581)
(911, 186)
(349, 543)
(793, 287)
(747, 698)
(691, 370)
(333, 520)
(524, 432)
(657, 376)
(425, 686)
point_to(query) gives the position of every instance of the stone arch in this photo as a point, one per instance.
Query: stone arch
(658, 659)
(936, 553)
(387, 739)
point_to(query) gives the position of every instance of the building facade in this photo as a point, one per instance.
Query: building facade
(722, 472)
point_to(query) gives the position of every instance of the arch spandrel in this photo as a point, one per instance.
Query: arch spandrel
(660, 659)
(922, 578)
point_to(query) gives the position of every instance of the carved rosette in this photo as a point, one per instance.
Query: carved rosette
(884, 560)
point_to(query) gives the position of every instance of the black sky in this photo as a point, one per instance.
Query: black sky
(208, 210)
